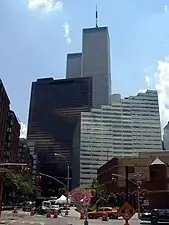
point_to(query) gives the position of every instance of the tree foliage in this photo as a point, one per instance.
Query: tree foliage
(80, 195)
(18, 182)
(62, 191)
(100, 195)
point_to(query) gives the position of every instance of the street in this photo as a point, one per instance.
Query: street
(72, 219)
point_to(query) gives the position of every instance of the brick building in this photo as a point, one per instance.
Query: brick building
(137, 165)
(24, 154)
(10, 153)
(4, 109)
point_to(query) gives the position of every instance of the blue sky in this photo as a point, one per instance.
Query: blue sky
(35, 38)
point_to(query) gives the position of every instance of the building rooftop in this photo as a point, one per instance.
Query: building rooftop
(157, 161)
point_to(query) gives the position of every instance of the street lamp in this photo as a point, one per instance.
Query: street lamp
(139, 176)
(68, 178)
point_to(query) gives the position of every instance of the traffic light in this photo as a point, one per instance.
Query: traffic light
(38, 179)
(26, 170)
(139, 183)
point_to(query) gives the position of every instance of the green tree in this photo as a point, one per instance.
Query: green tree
(62, 191)
(17, 182)
(99, 189)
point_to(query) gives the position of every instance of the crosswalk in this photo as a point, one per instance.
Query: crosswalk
(26, 222)
(19, 212)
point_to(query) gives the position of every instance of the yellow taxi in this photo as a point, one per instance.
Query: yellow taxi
(111, 213)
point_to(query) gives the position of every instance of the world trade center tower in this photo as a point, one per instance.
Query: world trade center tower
(94, 62)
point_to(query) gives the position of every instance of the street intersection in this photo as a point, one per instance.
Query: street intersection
(22, 218)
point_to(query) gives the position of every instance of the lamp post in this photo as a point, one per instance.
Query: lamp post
(68, 178)
(139, 176)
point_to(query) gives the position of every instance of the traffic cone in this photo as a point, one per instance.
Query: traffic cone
(15, 209)
(55, 214)
(32, 212)
(104, 217)
(48, 215)
(81, 215)
(126, 222)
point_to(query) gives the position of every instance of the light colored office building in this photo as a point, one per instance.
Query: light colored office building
(124, 128)
(96, 63)
(73, 67)
(166, 137)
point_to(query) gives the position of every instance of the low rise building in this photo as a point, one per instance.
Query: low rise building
(113, 173)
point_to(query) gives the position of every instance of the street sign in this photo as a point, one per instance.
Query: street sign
(126, 211)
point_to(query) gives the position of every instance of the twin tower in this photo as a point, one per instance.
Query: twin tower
(94, 61)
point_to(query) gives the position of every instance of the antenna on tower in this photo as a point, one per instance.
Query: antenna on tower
(96, 17)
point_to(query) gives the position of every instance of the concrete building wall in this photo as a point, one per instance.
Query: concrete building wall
(73, 67)
(140, 164)
(166, 137)
(96, 63)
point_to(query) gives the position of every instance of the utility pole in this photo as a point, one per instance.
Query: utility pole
(139, 176)
(67, 198)
(126, 176)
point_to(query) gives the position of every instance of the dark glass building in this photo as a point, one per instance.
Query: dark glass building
(53, 124)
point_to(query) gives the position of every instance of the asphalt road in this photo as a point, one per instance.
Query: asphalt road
(72, 219)
(66, 221)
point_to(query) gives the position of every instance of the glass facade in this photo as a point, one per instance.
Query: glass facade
(55, 109)
(124, 128)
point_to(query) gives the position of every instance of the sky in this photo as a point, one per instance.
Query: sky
(36, 36)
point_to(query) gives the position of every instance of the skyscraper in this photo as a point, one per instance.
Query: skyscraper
(96, 63)
(55, 108)
(124, 128)
(74, 65)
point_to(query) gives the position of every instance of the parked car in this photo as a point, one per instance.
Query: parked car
(112, 213)
(27, 206)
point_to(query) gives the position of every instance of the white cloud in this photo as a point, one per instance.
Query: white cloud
(66, 28)
(166, 9)
(147, 69)
(147, 79)
(23, 131)
(47, 5)
(162, 86)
